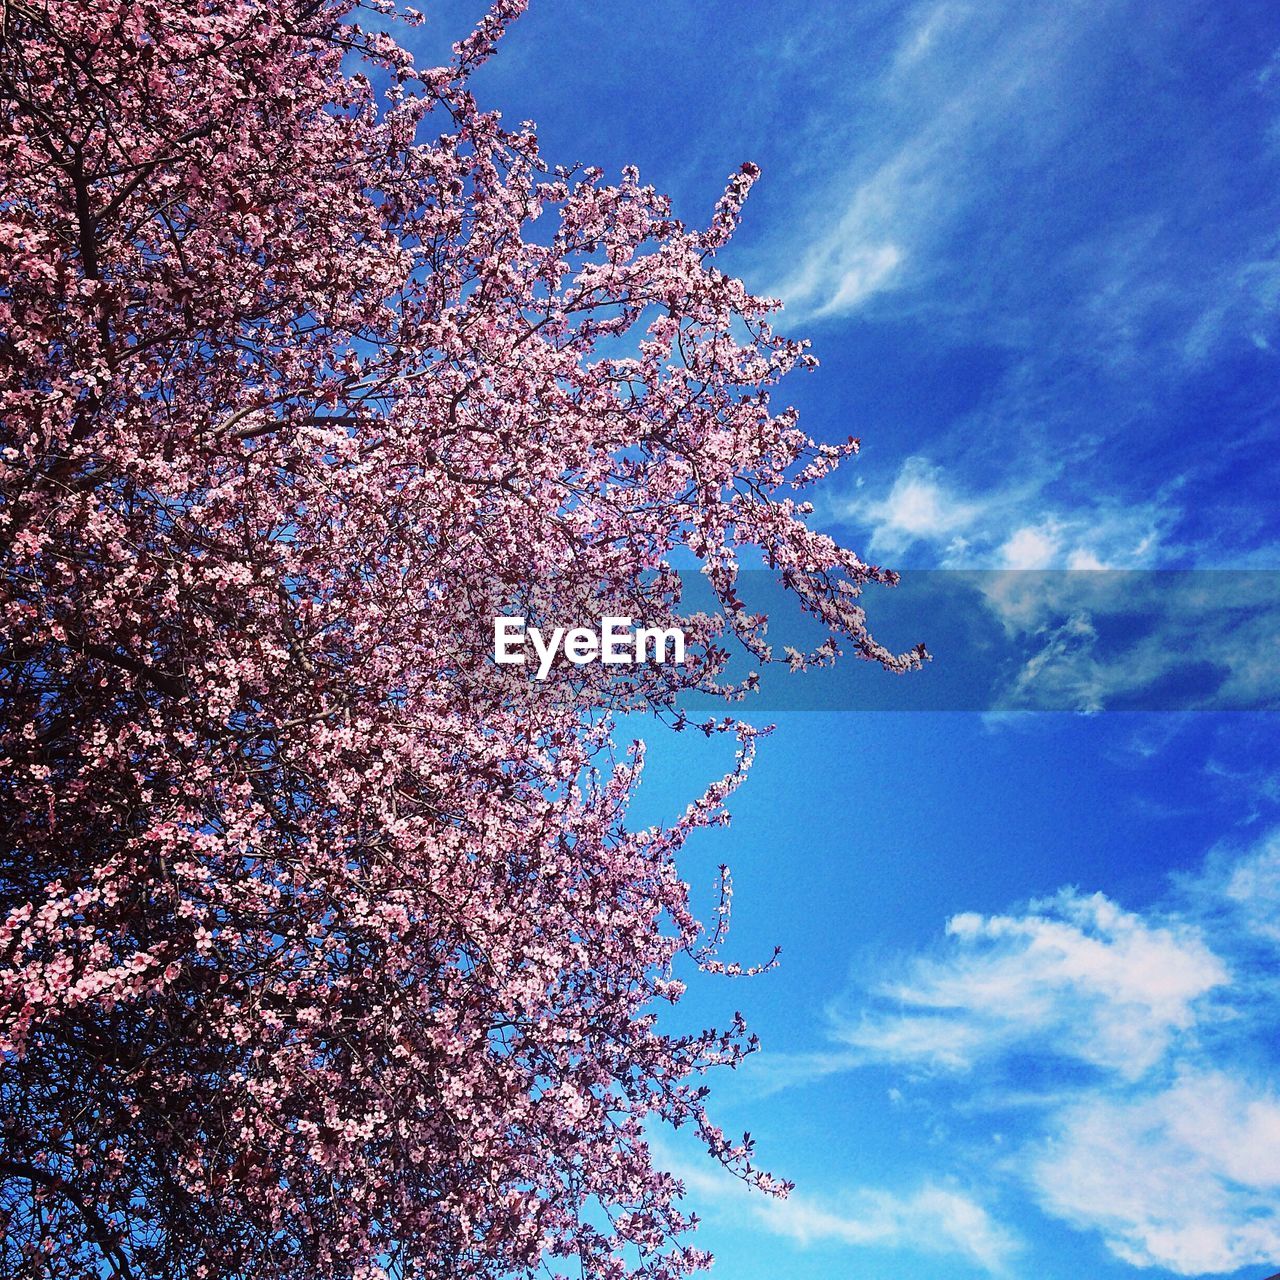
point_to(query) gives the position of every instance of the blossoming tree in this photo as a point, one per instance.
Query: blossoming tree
(325, 952)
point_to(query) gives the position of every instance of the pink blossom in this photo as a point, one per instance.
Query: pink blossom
(321, 946)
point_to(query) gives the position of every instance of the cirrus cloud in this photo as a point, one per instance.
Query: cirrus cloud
(1151, 1115)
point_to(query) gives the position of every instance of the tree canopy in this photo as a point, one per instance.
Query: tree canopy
(326, 952)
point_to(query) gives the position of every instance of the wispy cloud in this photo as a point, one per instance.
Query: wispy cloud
(1182, 1177)
(930, 1219)
(958, 206)
(842, 276)
(1252, 888)
(1152, 1116)
(1074, 977)
(951, 177)
(1100, 640)
(1017, 525)
(918, 507)
(941, 98)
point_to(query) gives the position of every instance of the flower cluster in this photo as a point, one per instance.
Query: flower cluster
(323, 952)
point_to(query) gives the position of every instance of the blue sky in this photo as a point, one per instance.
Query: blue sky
(1024, 1023)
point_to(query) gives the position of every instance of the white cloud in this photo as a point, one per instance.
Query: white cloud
(1106, 533)
(1076, 977)
(1168, 1146)
(1238, 890)
(910, 180)
(944, 192)
(769, 1072)
(1031, 548)
(1253, 888)
(927, 162)
(924, 510)
(1207, 639)
(917, 507)
(929, 1219)
(923, 37)
(1184, 1178)
(862, 270)
(857, 255)
(1249, 308)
